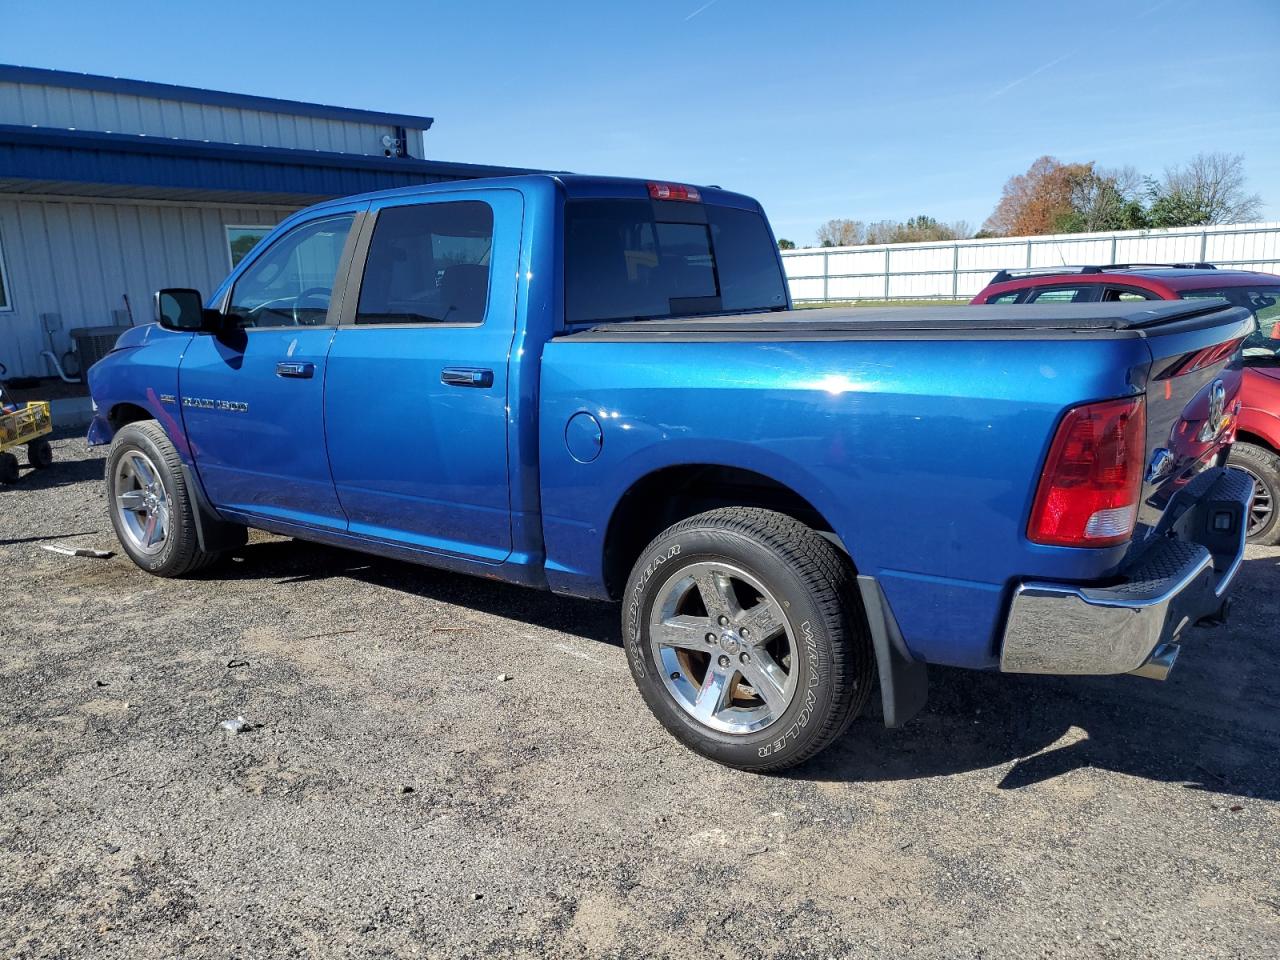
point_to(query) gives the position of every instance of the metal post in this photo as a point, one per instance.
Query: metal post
(1028, 254)
(826, 278)
(1204, 245)
(1113, 249)
(955, 271)
(886, 273)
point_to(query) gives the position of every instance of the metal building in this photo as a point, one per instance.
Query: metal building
(112, 188)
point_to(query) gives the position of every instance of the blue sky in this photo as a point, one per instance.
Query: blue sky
(819, 108)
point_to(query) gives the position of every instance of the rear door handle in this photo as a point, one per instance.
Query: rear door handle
(466, 377)
(290, 368)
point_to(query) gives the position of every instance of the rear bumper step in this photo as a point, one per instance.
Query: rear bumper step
(1134, 626)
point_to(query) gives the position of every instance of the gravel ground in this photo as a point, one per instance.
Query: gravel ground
(395, 797)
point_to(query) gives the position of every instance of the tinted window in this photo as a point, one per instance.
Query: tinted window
(1011, 297)
(1261, 347)
(1086, 294)
(1126, 295)
(748, 263)
(428, 263)
(290, 284)
(621, 262)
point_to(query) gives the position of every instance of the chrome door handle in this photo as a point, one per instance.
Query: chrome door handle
(466, 377)
(301, 371)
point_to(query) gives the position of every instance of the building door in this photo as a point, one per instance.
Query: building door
(416, 402)
(252, 397)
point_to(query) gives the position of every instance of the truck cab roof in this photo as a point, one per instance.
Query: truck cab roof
(574, 185)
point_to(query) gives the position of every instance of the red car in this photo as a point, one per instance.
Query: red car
(1257, 447)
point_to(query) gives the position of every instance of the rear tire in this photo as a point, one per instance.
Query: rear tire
(151, 508)
(9, 469)
(1264, 466)
(40, 453)
(789, 661)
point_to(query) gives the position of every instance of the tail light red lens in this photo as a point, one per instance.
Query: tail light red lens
(1092, 481)
(674, 191)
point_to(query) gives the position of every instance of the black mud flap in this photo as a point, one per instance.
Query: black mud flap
(904, 681)
(212, 532)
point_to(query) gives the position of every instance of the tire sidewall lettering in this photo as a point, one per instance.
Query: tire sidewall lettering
(635, 622)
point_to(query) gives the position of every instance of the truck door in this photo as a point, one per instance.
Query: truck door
(252, 396)
(416, 397)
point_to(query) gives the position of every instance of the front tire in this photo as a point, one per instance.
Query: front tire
(747, 638)
(151, 508)
(1263, 466)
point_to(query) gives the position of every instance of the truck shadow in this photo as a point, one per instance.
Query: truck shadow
(1213, 726)
(295, 561)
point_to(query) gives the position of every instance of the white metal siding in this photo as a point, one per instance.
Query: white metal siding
(962, 268)
(40, 105)
(77, 259)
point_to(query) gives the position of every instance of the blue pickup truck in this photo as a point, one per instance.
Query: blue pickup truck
(599, 387)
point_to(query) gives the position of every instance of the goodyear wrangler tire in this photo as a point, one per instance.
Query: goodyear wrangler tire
(746, 636)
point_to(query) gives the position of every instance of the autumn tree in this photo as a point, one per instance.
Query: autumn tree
(1034, 202)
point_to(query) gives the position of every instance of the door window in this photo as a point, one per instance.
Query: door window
(1010, 297)
(428, 263)
(1126, 295)
(291, 283)
(1077, 294)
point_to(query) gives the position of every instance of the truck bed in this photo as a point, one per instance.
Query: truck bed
(1015, 322)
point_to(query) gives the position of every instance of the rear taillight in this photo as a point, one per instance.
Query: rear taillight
(674, 191)
(1089, 490)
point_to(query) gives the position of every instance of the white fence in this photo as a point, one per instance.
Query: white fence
(958, 269)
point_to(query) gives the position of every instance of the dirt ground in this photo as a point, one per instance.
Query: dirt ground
(395, 797)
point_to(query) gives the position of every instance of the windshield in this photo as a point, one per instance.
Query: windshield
(1263, 345)
(641, 259)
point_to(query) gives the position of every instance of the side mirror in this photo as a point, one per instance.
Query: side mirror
(180, 308)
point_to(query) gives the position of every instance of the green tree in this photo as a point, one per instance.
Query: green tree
(1209, 189)
(785, 244)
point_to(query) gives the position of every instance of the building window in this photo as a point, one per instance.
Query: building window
(240, 240)
(5, 303)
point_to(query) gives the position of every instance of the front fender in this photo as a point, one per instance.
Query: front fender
(139, 380)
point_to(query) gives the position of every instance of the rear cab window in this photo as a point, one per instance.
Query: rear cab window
(630, 259)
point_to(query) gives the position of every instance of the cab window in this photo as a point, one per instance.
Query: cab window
(291, 283)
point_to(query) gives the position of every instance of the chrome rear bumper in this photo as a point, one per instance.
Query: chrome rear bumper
(1133, 625)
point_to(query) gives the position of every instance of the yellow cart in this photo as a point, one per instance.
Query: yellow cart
(30, 425)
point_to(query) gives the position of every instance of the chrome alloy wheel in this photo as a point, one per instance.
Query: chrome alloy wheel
(142, 505)
(724, 647)
(1263, 503)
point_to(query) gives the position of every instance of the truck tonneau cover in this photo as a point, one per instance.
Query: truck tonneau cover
(953, 320)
